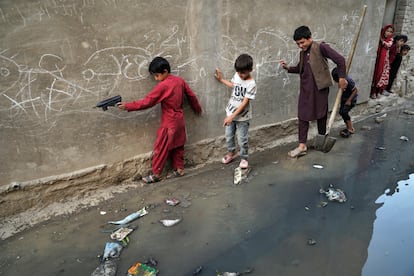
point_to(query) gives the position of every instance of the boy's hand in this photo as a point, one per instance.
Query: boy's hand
(283, 64)
(121, 105)
(227, 121)
(343, 83)
(218, 74)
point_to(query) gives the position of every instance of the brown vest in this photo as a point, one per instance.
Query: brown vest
(319, 66)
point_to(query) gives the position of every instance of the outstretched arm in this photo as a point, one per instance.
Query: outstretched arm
(219, 76)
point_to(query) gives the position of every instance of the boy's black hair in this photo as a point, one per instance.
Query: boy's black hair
(334, 74)
(159, 65)
(302, 32)
(405, 47)
(243, 63)
(403, 37)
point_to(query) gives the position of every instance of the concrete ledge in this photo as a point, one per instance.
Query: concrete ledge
(18, 197)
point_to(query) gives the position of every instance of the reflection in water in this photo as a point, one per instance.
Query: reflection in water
(392, 243)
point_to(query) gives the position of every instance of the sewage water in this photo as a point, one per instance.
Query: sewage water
(392, 243)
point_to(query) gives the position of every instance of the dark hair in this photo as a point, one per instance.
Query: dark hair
(403, 37)
(159, 65)
(334, 74)
(405, 47)
(243, 63)
(302, 32)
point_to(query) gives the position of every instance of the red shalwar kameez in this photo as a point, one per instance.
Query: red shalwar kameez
(171, 136)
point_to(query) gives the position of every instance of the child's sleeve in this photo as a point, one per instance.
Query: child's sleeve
(153, 98)
(251, 91)
(192, 99)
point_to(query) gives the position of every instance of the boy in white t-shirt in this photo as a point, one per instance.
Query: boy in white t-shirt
(238, 110)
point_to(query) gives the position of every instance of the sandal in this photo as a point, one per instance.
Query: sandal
(297, 152)
(229, 157)
(151, 179)
(177, 173)
(244, 164)
(345, 133)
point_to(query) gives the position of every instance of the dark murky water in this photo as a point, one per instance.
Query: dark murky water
(390, 251)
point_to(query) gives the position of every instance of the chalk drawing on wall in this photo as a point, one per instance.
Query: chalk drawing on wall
(50, 89)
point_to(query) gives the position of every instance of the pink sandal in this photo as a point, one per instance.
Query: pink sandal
(229, 157)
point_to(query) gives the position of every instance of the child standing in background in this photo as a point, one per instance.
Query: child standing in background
(397, 51)
(238, 110)
(348, 101)
(382, 63)
(171, 135)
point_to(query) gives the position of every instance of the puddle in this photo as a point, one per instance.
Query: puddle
(390, 249)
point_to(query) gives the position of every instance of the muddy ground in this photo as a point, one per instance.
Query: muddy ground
(263, 224)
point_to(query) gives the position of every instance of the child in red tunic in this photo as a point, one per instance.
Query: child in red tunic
(171, 136)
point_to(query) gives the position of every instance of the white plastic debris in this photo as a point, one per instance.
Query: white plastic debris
(172, 201)
(409, 112)
(404, 138)
(334, 194)
(169, 222)
(121, 233)
(317, 166)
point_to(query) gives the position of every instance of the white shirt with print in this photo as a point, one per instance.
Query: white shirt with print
(241, 89)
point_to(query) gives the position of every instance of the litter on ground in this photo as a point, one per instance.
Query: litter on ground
(404, 138)
(172, 201)
(169, 222)
(334, 194)
(240, 175)
(140, 269)
(121, 233)
(409, 112)
(140, 213)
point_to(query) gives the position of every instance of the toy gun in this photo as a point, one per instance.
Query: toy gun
(109, 102)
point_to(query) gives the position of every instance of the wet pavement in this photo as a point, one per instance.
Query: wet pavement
(263, 225)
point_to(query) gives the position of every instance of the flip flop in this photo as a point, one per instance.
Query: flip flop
(229, 157)
(345, 133)
(297, 152)
(176, 173)
(150, 179)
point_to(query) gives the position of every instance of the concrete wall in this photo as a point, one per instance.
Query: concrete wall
(59, 58)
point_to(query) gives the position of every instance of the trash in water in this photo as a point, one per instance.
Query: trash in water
(140, 269)
(334, 194)
(366, 128)
(409, 112)
(106, 268)
(140, 213)
(307, 208)
(380, 119)
(404, 138)
(240, 175)
(311, 242)
(102, 212)
(172, 201)
(246, 271)
(121, 233)
(112, 250)
(323, 204)
(380, 148)
(317, 166)
(197, 270)
(151, 261)
(169, 222)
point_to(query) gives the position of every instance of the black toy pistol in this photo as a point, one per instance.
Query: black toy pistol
(109, 102)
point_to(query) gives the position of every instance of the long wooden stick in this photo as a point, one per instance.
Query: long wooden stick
(348, 65)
